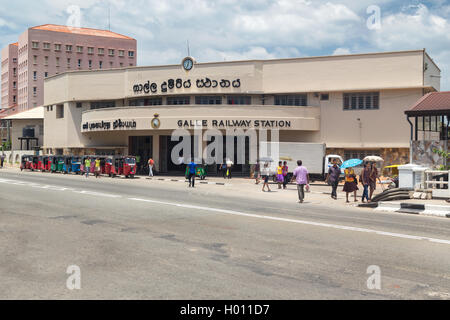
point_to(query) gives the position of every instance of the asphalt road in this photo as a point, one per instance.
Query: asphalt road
(138, 239)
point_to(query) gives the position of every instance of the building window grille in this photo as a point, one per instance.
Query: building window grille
(361, 101)
(239, 100)
(178, 100)
(208, 100)
(291, 100)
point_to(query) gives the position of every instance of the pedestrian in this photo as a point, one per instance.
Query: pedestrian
(2, 159)
(373, 179)
(333, 175)
(257, 173)
(365, 181)
(151, 163)
(192, 168)
(280, 177)
(302, 179)
(223, 168)
(87, 166)
(285, 174)
(229, 166)
(350, 183)
(265, 172)
(97, 167)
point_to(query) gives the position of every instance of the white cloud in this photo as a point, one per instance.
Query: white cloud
(339, 51)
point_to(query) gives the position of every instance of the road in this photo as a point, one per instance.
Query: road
(142, 239)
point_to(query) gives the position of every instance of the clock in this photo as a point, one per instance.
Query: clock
(188, 63)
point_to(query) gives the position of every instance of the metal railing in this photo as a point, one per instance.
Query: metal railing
(438, 182)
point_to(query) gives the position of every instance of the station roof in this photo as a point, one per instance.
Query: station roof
(82, 31)
(433, 103)
(35, 113)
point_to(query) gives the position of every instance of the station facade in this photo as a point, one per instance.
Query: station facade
(353, 103)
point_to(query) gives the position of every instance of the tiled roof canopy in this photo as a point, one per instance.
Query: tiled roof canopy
(433, 103)
(83, 31)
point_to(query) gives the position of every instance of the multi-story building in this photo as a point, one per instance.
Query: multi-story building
(9, 76)
(353, 103)
(48, 50)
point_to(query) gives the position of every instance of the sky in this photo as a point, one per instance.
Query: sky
(219, 30)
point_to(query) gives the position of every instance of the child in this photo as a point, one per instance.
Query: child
(280, 178)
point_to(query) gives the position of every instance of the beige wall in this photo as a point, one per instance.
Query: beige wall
(17, 131)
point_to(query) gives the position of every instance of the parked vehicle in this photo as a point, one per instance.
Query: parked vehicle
(75, 164)
(200, 172)
(26, 162)
(128, 167)
(111, 166)
(313, 156)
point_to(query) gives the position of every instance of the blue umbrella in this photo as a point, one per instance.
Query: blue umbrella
(351, 163)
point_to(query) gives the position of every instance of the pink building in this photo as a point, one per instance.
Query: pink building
(47, 50)
(9, 76)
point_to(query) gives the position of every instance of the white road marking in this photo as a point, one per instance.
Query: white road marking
(100, 194)
(318, 224)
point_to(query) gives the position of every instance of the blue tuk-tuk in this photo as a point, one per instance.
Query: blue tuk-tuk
(75, 163)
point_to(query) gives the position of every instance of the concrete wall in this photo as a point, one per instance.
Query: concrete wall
(17, 131)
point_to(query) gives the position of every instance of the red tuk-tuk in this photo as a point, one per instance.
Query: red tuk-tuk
(26, 162)
(111, 167)
(42, 160)
(128, 166)
(34, 163)
(47, 163)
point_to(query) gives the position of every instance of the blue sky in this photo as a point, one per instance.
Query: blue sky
(236, 29)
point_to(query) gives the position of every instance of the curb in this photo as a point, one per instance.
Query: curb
(412, 208)
(197, 181)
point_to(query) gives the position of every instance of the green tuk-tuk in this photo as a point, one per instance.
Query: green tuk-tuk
(199, 172)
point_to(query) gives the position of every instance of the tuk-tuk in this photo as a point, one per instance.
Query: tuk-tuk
(34, 163)
(41, 163)
(26, 162)
(111, 166)
(128, 167)
(75, 164)
(200, 172)
(392, 173)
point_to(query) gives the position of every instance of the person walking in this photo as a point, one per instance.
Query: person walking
(333, 175)
(87, 166)
(97, 168)
(2, 159)
(280, 177)
(223, 168)
(151, 163)
(365, 181)
(265, 172)
(257, 172)
(285, 174)
(302, 179)
(229, 166)
(373, 179)
(350, 183)
(192, 168)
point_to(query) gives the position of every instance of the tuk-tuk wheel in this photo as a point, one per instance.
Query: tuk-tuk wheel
(132, 176)
(21, 169)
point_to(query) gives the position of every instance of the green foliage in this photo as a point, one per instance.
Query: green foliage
(6, 146)
(444, 155)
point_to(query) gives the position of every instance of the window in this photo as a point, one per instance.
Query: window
(111, 64)
(361, 100)
(208, 100)
(14, 85)
(146, 102)
(35, 45)
(68, 62)
(59, 111)
(324, 97)
(90, 64)
(14, 71)
(79, 105)
(178, 100)
(46, 74)
(14, 99)
(46, 45)
(34, 75)
(121, 64)
(239, 100)
(100, 64)
(57, 61)
(103, 104)
(68, 48)
(101, 51)
(79, 63)
(34, 59)
(360, 154)
(121, 53)
(131, 54)
(15, 60)
(79, 49)
(46, 61)
(57, 47)
(90, 50)
(111, 52)
(34, 91)
(294, 100)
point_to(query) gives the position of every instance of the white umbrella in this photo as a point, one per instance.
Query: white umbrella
(373, 158)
